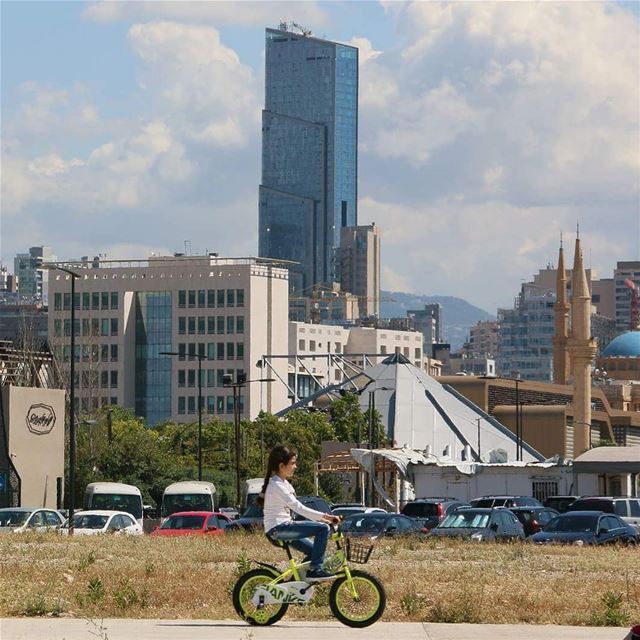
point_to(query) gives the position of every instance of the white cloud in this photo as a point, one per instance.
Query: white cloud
(215, 11)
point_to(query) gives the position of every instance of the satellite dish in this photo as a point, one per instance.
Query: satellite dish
(498, 456)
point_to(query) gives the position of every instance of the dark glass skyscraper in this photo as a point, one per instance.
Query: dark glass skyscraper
(309, 154)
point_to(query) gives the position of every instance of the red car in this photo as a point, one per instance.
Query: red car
(187, 523)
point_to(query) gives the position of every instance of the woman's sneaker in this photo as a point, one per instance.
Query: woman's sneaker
(318, 575)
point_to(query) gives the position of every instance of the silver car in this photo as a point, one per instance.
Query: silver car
(21, 519)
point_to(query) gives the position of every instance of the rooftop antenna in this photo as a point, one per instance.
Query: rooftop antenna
(303, 30)
(187, 247)
(577, 229)
(561, 239)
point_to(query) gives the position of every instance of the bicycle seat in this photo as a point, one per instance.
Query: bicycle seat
(281, 544)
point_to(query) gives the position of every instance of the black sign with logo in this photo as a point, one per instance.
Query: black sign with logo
(41, 418)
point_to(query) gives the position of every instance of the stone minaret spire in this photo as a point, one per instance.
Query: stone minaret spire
(561, 324)
(582, 349)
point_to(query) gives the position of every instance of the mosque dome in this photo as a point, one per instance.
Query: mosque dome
(626, 345)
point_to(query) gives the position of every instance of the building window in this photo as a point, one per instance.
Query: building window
(104, 379)
(86, 301)
(191, 404)
(181, 350)
(231, 322)
(219, 377)
(114, 353)
(201, 349)
(182, 299)
(312, 345)
(104, 300)
(104, 327)
(211, 350)
(201, 298)
(202, 327)
(220, 298)
(211, 404)
(220, 404)
(95, 326)
(417, 356)
(66, 304)
(240, 297)
(104, 353)
(220, 351)
(114, 379)
(191, 299)
(57, 301)
(220, 324)
(182, 325)
(181, 378)
(211, 324)
(231, 297)
(239, 324)
(191, 324)
(211, 298)
(191, 350)
(191, 378)
(231, 351)
(301, 345)
(114, 326)
(181, 404)
(211, 378)
(95, 300)
(57, 328)
(229, 404)
(240, 351)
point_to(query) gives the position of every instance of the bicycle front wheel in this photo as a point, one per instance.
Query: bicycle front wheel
(358, 604)
(243, 594)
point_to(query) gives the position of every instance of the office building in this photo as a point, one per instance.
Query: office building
(428, 321)
(308, 190)
(360, 266)
(31, 277)
(625, 273)
(231, 312)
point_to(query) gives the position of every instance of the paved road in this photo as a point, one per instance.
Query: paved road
(116, 629)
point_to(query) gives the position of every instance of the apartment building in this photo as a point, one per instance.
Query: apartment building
(226, 313)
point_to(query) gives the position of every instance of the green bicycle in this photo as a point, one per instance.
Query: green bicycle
(263, 595)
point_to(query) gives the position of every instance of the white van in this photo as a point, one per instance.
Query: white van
(114, 496)
(252, 489)
(191, 495)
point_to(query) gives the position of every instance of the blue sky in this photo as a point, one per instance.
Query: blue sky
(486, 129)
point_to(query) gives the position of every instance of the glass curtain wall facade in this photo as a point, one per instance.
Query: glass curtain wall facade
(309, 154)
(153, 371)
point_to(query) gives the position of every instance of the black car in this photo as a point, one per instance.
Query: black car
(374, 525)
(560, 503)
(480, 524)
(534, 519)
(587, 527)
(627, 508)
(432, 511)
(488, 502)
(253, 518)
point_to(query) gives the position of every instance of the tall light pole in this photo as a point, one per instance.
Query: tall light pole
(372, 407)
(237, 385)
(72, 394)
(200, 358)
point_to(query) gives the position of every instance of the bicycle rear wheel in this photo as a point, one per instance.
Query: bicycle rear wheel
(243, 593)
(365, 607)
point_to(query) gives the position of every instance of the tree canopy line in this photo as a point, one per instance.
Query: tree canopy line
(152, 457)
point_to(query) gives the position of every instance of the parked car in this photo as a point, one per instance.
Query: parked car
(345, 512)
(627, 508)
(92, 522)
(534, 519)
(480, 524)
(21, 519)
(587, 527)
(193, 523)
(560, 503)
(488, 502)
(432, 511)
(230, 512)
(375, 525)
(252, 519)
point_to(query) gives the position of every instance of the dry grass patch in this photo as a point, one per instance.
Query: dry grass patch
(435, 581)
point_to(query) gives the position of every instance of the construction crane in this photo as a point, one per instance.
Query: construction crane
(634, 316)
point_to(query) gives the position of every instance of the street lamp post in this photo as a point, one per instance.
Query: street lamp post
(237, 386)
(200, 358)
(72, 395)
(372, 435)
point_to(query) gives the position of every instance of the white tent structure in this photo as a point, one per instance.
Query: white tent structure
(420, 413)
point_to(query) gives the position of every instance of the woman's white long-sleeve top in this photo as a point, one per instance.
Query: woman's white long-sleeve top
(280, 500)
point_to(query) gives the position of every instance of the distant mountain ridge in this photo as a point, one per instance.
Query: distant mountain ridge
(457, 314)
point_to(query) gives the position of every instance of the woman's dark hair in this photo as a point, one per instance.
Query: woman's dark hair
(279, 455)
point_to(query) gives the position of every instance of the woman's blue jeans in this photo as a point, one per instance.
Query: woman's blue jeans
(299, 534)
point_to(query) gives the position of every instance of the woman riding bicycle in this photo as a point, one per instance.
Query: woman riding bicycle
(280, 499)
